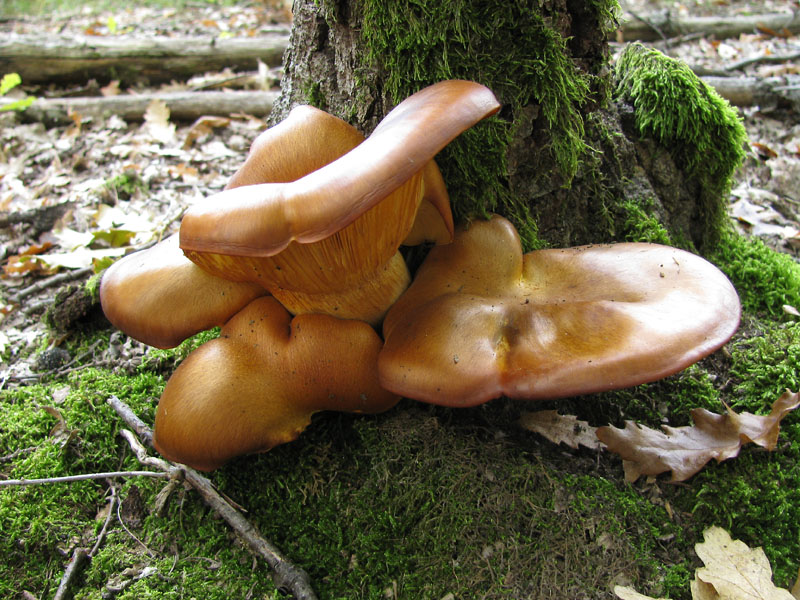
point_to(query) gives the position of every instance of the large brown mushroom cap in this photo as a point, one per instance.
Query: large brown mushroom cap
(481, 320)
(349, 201)
(160, 297)
(257, 385)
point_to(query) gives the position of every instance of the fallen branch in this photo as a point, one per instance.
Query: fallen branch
(48, 59)
(287, 576)
(43, 284)
(183, 106)
(758, 91)
(766, 58)
(662, 25)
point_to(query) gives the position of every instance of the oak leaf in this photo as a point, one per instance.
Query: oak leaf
(732, 571)
(685, 450)
(561, 429)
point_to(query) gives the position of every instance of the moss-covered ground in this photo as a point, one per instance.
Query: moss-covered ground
(419, 502)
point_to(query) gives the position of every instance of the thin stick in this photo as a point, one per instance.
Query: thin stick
(51, 281)
(82, 477)
(288, 577)
(81, 556)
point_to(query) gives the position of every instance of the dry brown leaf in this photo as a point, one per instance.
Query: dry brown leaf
(734, 570)
(560, 429)
(796, 586)
(685, 450)
(628, 593)
(112, 89)
(203, 127)
(157, 121)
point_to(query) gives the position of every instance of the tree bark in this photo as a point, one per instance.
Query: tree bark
(559, 160)
(132, 60)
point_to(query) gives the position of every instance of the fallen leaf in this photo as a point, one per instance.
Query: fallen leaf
(732, 571)
(23, 262)
(157, 124)
(627, 593)
(764, 151)
(77, 259)
(735, 570)
(203, 127)
(112, 89)
(685, 450)
(561, 429)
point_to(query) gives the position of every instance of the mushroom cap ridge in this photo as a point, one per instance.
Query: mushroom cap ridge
(262, 220)
(481, 320)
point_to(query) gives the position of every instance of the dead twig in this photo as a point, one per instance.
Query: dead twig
(49, 282)
(81, 556)
(767, 58)
(82, 477)
(287, 576)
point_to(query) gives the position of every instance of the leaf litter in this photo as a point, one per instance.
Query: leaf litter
(681, 450)
(732, 571)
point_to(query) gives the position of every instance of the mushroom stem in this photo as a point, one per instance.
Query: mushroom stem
(368, 301)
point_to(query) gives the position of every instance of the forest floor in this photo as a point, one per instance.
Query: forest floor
(419, 503)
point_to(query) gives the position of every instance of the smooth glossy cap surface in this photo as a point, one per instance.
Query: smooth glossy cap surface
(481, 320)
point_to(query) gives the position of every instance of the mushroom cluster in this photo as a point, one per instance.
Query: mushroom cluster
(298, 260)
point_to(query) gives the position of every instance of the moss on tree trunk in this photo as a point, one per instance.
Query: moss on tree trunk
(567, 159)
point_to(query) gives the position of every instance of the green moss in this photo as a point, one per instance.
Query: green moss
(640, 226)
(314, 96)
(703, 133)
(415, 44)
(165, 361)
(766, 365)
(765, 279)
(125, 185)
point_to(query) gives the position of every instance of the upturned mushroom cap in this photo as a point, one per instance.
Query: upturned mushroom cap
(160, 297)
(481, 320)
(332, 205)
(257, 385)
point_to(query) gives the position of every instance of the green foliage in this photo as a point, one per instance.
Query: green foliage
(416, 44)
(639, 226)
(124, 186)
(765, 279)
(766, 364)
(703, 133)
(9, 82)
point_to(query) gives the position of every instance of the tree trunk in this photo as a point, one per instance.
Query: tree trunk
(562, 160)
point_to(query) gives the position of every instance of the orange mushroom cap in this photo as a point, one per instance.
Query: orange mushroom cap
(160, 297)
(262, 220)
(481, 320)
(329, 232)
(257, 385)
